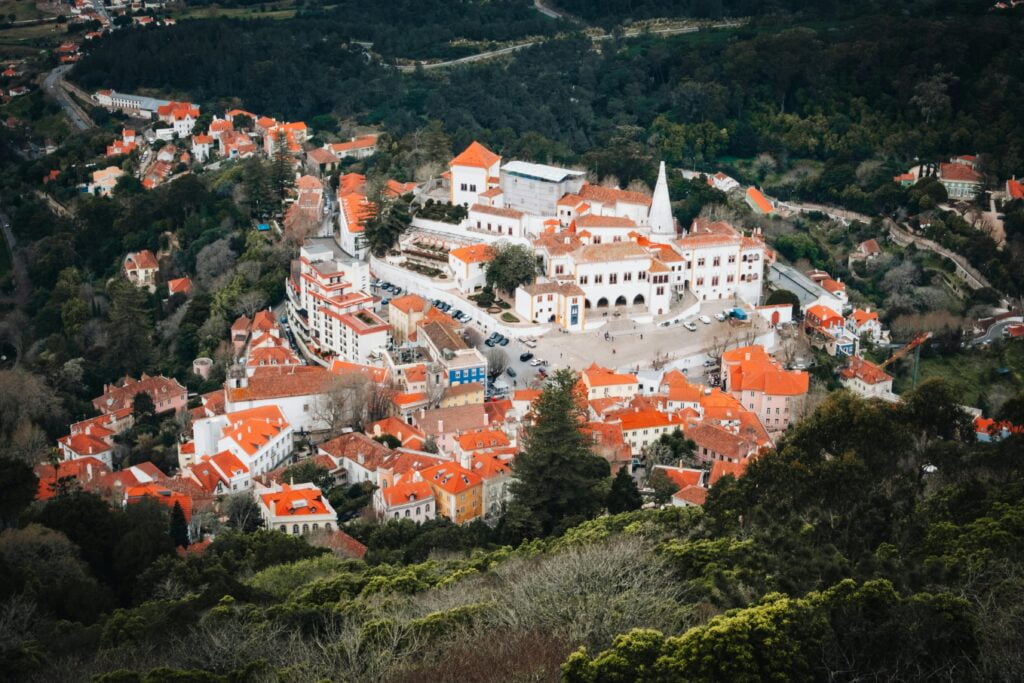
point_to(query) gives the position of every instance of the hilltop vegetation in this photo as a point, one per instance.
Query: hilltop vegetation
(879, 541)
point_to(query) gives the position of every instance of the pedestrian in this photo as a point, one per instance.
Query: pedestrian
(641, 335)
(613, 352)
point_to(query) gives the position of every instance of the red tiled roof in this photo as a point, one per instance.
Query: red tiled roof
(451, 477)
(282, 381)
(959, 173)
(473, 253)
(475, 155)
(407, 492)
(612, 195)
(720, 468)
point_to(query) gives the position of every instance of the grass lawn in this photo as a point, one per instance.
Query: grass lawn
(972, 374)
(21, 9)
(281, 10)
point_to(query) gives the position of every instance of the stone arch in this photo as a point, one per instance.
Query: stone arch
(602, 302)
(586, 303)
(621, 301)
(638, 300)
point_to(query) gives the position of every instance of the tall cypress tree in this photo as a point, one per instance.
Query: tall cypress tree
(179, 527)
(558, 481)
(624, 495)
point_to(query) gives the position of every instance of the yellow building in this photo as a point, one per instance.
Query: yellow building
(458, 492)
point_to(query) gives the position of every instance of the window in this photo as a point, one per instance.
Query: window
(584, 279)
(732, 258)
(613, 279)
(551, 297)
(305, 407)
(700, 262)
(661, 290)
(730, 278)
(472, 188)
(463, 187)
(714, 281)
(559, 270)
(295, 529)
(627, 277)
(407, 513)
(700, 282)
(598, 279)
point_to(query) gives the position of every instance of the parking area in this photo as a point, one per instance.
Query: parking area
(626, 345)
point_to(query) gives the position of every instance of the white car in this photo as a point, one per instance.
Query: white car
(704, 319)
(720, 316)
(690, 326)
(536, 362)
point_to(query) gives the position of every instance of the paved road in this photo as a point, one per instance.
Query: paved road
(995, 332)
(22, 285)
(52, 87)
(631, 33)
(545, 10)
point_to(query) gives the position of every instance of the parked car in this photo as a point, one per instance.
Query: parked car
(385, 302)
(690, 326)
(490, 343)
(510, 372)
(704, 319)
(457, 313)
(396, 290)
(523, 357)
(721, 316)
(503, 341)
(536, 362)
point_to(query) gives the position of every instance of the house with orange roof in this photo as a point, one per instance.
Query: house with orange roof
(358, 147)
(94, 437)
(462, 395)
(828, 330)
(160, 494)
(600, 382)
(457, 491)
(865, 323)
(405, 313)
(218, 474)
(80, 472)
(608, 442)
(181, 116)
(374, 373)
(679, 393)
(299, 391)
(412, 499)
(297, 509)
(611, 201)
(866, 379)
(407, 435)
(167, 394)
(469, 266)
(260, 438)
(141, 269)
(475, 170)
(987, 430)
(235, 144)
(321, 161)
(499, 221)
(179, 285)
(1014, 189)
(358, 454)
(562, 303)
(760, 383)
(961, 177)
(723, 182)
(494, 467)
(642, 427)
(716, 442)
(690, 482)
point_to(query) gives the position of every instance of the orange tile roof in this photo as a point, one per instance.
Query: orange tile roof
(861, 316)
(612, 195)
(1015, 189)
(592, 221)
(356, 445)
(483, 438)
(597, 376)
(407, 399)
(282, 381)
(833, 286)
(361, 142)
(643, 419)
(161, 494)
(825, 315)
(959, 173)
(295, 502)
(473, 253)
(530, 395)
(254, 428)
(451, 477)
(407, 303)
(496, 211)
(490, 465)
(375, 373)
(407, 492)
(720, 468)
(475, 155)
(864, 370)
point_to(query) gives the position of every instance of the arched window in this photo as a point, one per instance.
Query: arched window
(295, 529)
(327, 526)
(407, 512)
(284, 528)
(315, 526)
(305, 528)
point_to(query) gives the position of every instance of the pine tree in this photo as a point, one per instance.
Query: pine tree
(130, 331)
(558, 481)
(179, 527)
(624, 495)
(256, 181)
(282, 175)
(390, 220)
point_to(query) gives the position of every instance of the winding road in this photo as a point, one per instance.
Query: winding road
(53, 85)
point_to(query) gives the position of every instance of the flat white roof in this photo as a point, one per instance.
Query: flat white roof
(552, 174)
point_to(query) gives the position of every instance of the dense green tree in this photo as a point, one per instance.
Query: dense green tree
(390, 219)
(624, 495)
(18, 487)
(543, 504)
(179, 527)
(512, 265)
(308, 471)
(129, 344)
(784, 296)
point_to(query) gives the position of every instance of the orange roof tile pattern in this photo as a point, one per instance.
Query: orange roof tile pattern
(295, 502)
(451, 478)
(476, 155)
(407, 492)
(473, 253)
(597, 376)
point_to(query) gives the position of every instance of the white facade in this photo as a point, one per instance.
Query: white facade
(493, 220)
(260, 447)
(296, 509)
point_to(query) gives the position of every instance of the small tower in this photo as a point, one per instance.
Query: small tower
(660, 217)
